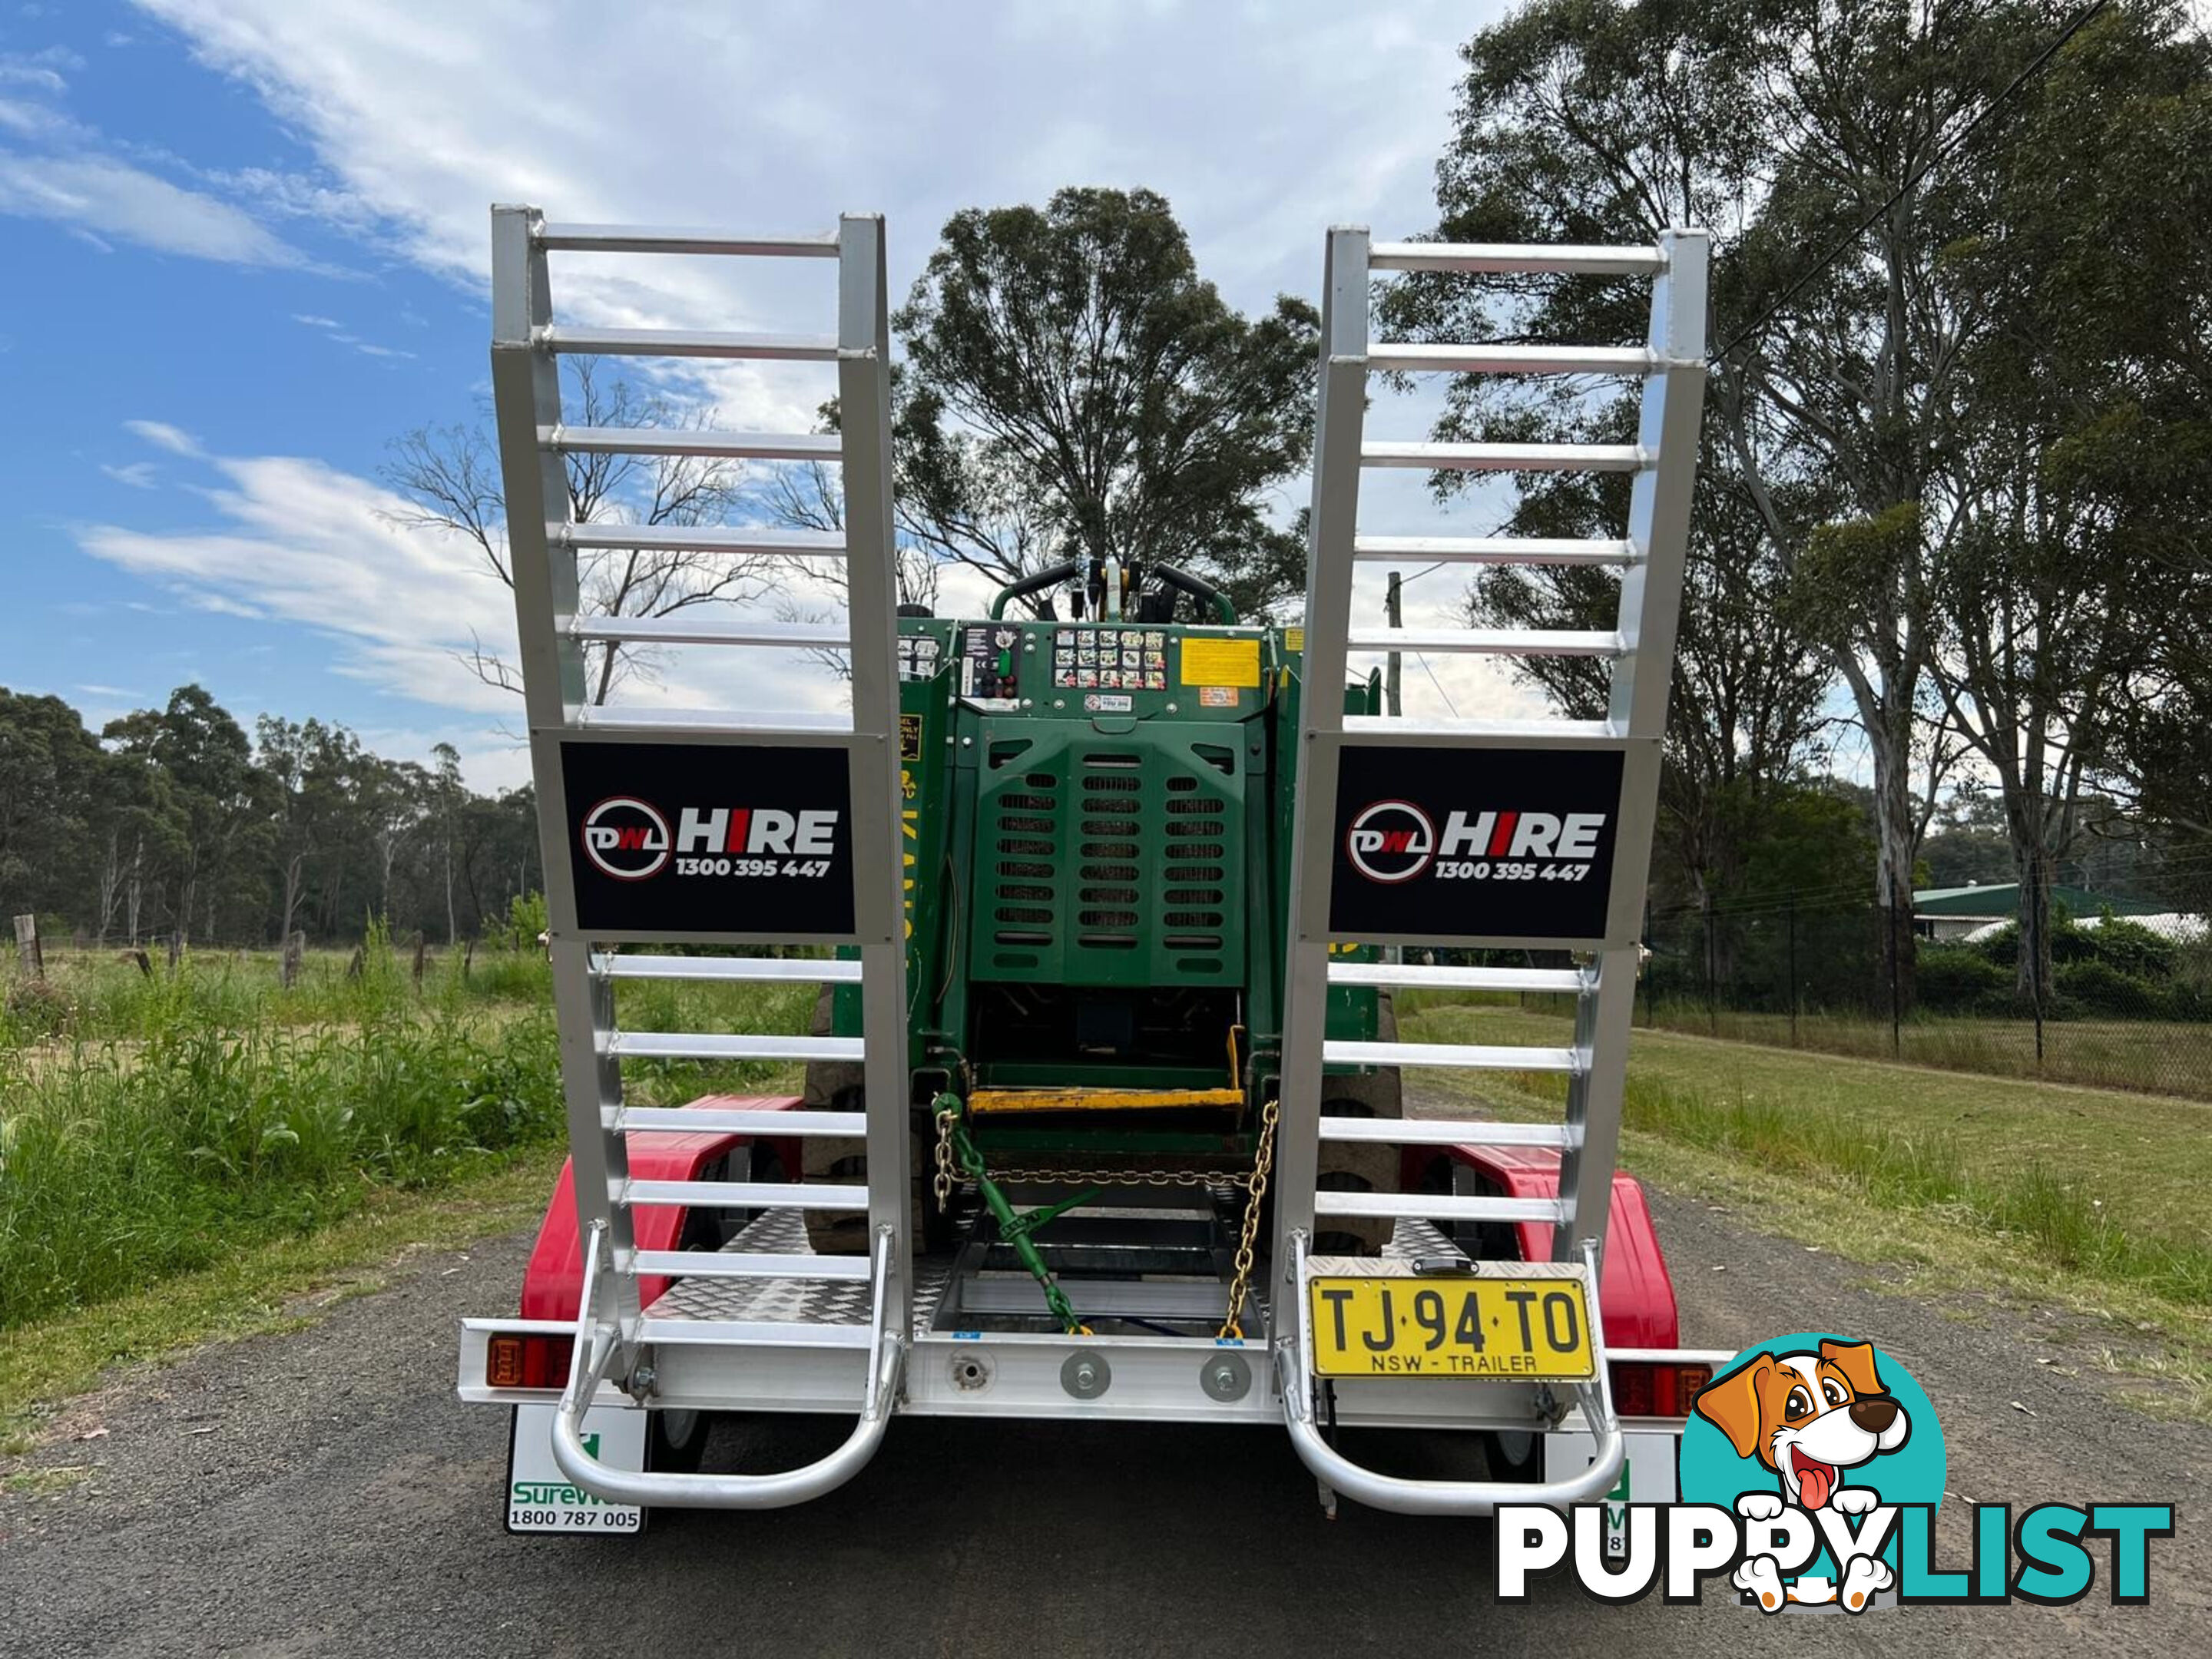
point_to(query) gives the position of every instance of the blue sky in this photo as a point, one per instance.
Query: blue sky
(245, 246)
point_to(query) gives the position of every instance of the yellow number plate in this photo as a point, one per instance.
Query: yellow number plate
(1524, 1329)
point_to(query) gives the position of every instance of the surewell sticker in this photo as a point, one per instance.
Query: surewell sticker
(1809, 1474)
(715, 839)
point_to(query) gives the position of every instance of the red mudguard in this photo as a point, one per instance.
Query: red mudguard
(555, 1278)
(1635, 1294)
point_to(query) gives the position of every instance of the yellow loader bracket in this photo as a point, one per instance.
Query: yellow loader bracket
(985, 1102)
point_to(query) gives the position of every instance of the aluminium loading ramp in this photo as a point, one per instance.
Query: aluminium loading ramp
(1520, 835)
(790, 836)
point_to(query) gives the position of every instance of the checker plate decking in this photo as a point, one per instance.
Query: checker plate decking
(845, 1301)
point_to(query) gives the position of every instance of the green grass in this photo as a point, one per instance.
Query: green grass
(2087, 1197)
(261, 1288)
(94, 995)
(2149, 1056)
(207, 1118)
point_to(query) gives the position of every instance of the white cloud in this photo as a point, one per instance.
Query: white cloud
(105, 198)
(139, 475)
(41, 69)
(1262, 124)
(162, 436)
(300, 543)
(316, 322)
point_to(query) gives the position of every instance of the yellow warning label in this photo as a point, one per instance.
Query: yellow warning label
(1220, 662)
(1294, 639)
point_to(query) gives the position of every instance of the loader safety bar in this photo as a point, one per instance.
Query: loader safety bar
(1035, 583)
(595, 1349)
(1294, 1368)
(1225, 608)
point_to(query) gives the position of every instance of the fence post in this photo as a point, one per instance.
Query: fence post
(2035, 948)
(1712, 1007)
(1644, 974)
(296, 947)
(26, 946)
(1793, 970)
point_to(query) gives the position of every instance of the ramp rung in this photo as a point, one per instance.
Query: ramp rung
(1515, 257)
(1463, 1056)
(1443, 1207)
(671, 239)
(698, 630)
(1514, 359)
(681, 342)
(718, 1119)
(707, 441)
(1435, 1132)
(737, 1264)
(1494, 550)
(1495, 642)
(1507, 457)
(821, 724)
(1397, 728)
(746, 1195)
(1420, 976)
(762, 971)
(717, 1045)
(700, 538)
(750, 1333)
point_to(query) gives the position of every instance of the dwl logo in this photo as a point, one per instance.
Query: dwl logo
(626, 838)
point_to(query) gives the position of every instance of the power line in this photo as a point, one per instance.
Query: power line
(1944, 154)
(1439, 684)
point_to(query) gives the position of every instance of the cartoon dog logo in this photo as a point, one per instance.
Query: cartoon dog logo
(1808, 1417)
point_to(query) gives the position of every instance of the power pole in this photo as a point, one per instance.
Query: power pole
(1394, 609)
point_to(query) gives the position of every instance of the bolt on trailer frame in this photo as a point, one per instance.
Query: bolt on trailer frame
(764, 1324)
(1426, 777)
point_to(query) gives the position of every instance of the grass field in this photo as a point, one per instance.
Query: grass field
(156, 1125)
(2088, 1195)
(2147, 1056)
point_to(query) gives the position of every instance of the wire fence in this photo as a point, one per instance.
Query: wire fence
(2120, 1004)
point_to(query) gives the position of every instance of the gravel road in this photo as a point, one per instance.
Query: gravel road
(322, 1493)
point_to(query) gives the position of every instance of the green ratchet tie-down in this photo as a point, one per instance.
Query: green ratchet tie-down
(1018, 1227)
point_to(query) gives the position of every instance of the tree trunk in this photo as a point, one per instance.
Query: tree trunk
(294, 868)
(2035, 851)
(1895, 839)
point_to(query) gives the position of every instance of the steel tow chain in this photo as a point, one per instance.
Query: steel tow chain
(944, 1177)
(1255, 1189)
(1254, 1183)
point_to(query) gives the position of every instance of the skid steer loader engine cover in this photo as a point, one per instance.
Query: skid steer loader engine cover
(1097, 822)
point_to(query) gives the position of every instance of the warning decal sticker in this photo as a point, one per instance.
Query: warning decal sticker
(1220, 662)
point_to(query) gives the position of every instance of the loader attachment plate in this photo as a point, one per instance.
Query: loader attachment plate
(1512, 1321)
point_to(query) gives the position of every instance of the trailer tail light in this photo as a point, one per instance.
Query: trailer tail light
(1648, 1387)
(516, 1359)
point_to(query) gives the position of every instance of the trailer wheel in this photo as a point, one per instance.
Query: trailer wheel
(674, 1440)
(845, 1232)
(1361, 1166)
(1514, 1453)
